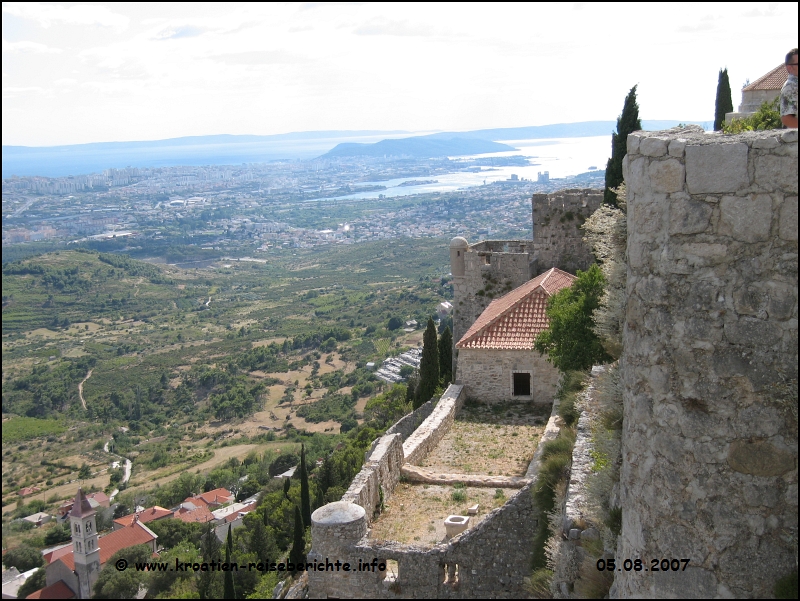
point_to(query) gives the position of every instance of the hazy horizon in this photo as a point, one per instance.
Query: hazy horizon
(75, 74)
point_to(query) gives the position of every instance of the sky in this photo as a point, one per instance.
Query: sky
(100, 72)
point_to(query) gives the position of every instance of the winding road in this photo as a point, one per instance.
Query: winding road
(80, 391)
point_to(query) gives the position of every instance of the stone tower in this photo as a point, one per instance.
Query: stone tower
(85, 547)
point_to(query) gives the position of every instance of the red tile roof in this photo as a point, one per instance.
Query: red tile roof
(773, 80)
(218, 496)
(201, 514)
(129, 536)
(58, 590)
(60, 552)
(148, 515)
(244, 510)
(513, 321)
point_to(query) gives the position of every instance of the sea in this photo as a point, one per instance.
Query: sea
(561, 157)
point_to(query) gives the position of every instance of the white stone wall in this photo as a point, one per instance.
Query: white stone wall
(709, 451)
(487, 375)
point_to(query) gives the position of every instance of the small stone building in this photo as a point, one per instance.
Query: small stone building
(764, 89)
(496, 360)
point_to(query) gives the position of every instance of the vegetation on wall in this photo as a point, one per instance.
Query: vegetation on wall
(570, 342)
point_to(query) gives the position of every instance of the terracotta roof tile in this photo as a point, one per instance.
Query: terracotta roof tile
(773, 80)
(57, 590)
(201, 514)
(513, 321)
(148, 515)
(129, 536)
(218, 496)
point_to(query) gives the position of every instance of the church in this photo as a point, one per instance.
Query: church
(73, 569)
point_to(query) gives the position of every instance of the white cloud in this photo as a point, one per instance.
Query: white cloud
(29, 47)
(80, 14)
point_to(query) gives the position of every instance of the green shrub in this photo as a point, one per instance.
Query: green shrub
(767, 116)
(786, 587)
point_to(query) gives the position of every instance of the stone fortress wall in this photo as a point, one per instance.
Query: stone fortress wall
(489, 269)
(491, 560)
(557, 234)
(482, 272)
(709, 368)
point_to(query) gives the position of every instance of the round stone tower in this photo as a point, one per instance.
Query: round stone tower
(458, 246)
(335, 529)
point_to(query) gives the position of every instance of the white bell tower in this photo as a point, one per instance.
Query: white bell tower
(85, 547)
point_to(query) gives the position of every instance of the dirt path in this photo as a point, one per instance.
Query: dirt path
(80, 389)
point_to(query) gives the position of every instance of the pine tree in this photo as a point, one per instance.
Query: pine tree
(305, 498)
(627, 122)
(297, 553)
(429, 366)
(230, 593)
(724, 103)
(446, 356)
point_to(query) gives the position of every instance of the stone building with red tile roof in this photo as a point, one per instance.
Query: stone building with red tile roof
(496, 360)
(77, 566)
(764, 89)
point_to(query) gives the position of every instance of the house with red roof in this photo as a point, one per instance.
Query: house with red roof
(151, 514)
(496, 361)
(189, 512)
(764, 89)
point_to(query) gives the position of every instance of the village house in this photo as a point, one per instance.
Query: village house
(496, 361)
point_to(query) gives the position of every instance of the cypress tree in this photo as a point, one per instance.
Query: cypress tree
(229, 592)
(297, 554)
(724, 103)
(627, 122)
(429, 366)
(305, 498)
(446, 356)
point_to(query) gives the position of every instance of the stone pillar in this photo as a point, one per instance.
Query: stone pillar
(709, 368)
(335, 529)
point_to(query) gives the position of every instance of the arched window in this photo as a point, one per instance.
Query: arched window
(77, 528)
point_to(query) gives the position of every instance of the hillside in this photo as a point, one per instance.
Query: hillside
(419, 147)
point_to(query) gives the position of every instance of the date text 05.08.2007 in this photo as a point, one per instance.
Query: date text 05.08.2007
(639, 565)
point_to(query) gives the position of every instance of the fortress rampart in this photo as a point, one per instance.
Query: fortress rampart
(709, 446)
(557, 234)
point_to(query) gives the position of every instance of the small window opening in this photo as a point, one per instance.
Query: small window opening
(522, 384)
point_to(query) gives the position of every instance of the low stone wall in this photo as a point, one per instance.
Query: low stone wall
(413, 473)
(436, 425)
(492, 560)
(406, 425)
(381, 470)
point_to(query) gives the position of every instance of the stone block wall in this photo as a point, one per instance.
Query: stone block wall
(491, 268)
(557, 237)
(487, 375)
(381, 471)
(435, 426)
(406, 425)
(709, 368)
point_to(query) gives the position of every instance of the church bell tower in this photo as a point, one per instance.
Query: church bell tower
(85, 547)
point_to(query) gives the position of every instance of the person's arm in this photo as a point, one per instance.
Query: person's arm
(789, 120)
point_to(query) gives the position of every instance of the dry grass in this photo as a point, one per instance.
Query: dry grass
(415, 513)
(482, 441)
